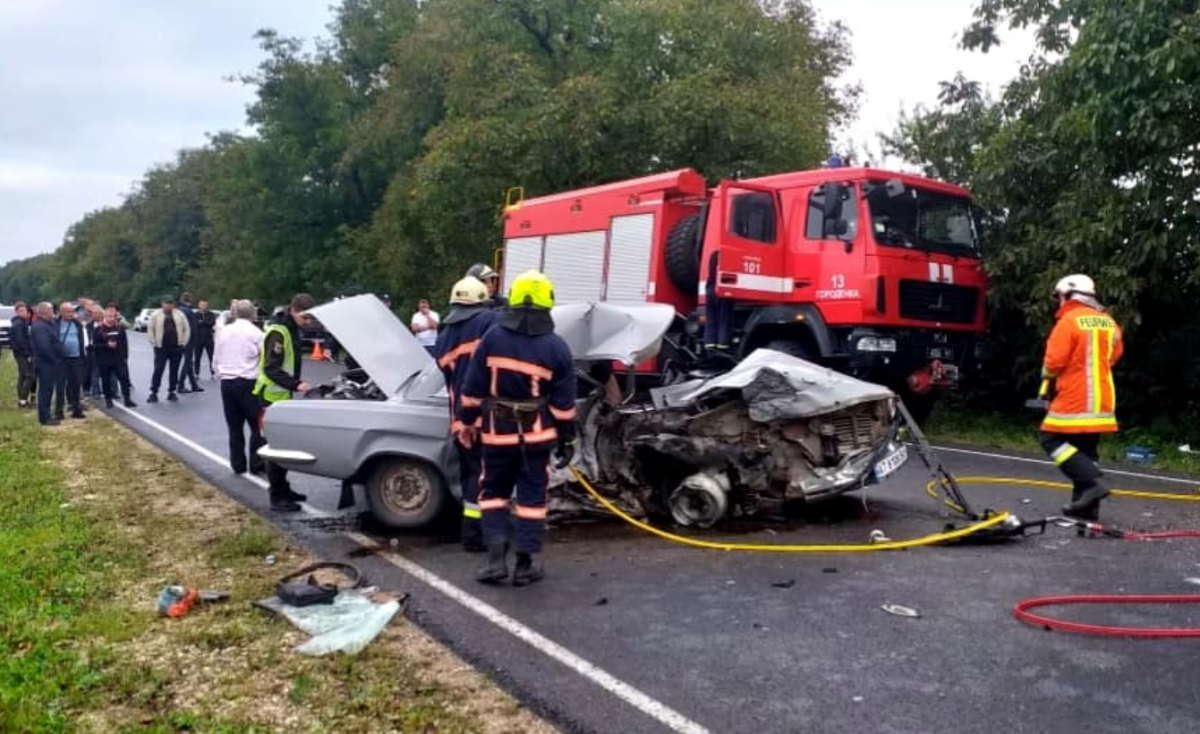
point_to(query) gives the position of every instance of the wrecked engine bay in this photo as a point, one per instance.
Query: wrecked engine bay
(749, 443)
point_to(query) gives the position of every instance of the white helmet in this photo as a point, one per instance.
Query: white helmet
(1081, 284)
(469, 292)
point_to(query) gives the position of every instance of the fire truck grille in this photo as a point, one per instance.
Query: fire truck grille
(950, 304)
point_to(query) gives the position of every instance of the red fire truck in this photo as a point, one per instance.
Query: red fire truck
(872, 272)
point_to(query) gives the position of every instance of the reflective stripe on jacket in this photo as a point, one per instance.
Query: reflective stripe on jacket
(456, 344)
(264, 386)
(1080, 354)
(511, 367)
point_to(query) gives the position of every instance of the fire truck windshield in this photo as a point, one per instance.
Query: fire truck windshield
(921, 220)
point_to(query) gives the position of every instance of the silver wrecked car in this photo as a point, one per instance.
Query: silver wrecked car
(741, 443)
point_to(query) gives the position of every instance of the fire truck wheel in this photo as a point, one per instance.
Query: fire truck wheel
(683, 254)
(793, 347)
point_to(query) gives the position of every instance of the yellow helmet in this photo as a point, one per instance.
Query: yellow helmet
(532, 288)
(468, 292)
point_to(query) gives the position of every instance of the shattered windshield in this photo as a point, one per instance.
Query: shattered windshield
(921, 220)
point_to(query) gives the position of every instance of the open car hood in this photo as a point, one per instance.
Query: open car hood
(606, 332)
(375, 337)
(391, 354)
(777, 386)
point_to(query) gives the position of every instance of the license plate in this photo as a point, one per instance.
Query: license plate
(890, 463)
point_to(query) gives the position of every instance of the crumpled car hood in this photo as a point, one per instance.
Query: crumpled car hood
(601, 331)
(777, 386)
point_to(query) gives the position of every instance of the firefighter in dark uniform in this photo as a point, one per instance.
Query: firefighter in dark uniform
(491, 279)
(521, 383)
(460, 334)
(278, 377)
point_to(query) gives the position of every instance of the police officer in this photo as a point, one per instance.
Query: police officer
(491, 279)
(278, 377)
(1080, 353)
(460, 334)
(521, 383)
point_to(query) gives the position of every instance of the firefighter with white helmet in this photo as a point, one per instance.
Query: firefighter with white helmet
(521, 384)
(469, 319)
(491, 279)
(1082, 349)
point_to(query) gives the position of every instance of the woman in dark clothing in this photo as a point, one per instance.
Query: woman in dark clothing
(111, 352)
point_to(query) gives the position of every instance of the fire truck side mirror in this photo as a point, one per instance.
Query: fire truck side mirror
(832, 196)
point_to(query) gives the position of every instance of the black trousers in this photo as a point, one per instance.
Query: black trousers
(469, 464)
(109, 373)
(187, 366)
(1077, 455)
(718, 320)
(47, 381)
(166, 359)
(26, 376)
(70, 382)
(204, 346)
(241, 409)
(276, 474)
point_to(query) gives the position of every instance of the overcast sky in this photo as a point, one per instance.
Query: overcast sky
(93, 92)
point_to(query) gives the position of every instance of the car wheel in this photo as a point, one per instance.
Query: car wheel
(404, 494)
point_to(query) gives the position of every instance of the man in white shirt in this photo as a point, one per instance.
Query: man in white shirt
(237, 358)
(425, 324)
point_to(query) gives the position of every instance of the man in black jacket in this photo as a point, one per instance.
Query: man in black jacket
(278, 378)
(47, 359)
(111, 352)
(187, 368)
(22, 348)
(206, 326)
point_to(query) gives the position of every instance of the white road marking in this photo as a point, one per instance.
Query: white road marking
(653, 708)
(1043, 462)
(213, 456)
(656, 710)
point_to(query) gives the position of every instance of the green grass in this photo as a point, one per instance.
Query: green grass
(954, 422)
(93, 524)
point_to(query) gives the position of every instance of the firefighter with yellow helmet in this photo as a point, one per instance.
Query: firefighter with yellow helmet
(521, 387)
(470, 318)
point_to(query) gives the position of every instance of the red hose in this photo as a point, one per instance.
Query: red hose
(1130, 535)
(1021, 611)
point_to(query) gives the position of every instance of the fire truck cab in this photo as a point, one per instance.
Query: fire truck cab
(871, 272)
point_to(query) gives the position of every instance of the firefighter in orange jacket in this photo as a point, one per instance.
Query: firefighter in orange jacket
(522, 383)
(1080, 353)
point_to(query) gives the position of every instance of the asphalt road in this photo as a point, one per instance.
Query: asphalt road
(632, 634)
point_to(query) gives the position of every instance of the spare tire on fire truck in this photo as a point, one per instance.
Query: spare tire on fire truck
(683, 254)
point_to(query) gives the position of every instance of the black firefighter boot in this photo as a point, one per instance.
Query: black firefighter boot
(495, 569)
(527, 572)
(1085, 500)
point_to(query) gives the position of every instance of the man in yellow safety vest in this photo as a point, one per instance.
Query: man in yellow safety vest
(278, 377)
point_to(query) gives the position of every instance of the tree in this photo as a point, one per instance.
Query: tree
(1091, 167)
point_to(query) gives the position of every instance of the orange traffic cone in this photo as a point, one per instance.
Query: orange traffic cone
(318, 354)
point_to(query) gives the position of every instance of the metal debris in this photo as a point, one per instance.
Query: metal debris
(784, 584)
(901, 611)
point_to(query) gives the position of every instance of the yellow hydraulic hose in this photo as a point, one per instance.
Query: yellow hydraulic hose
(781, 548)
(931, 489)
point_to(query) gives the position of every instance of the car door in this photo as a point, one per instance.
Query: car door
(751, 259)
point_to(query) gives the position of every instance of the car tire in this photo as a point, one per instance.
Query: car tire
(404, 494)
